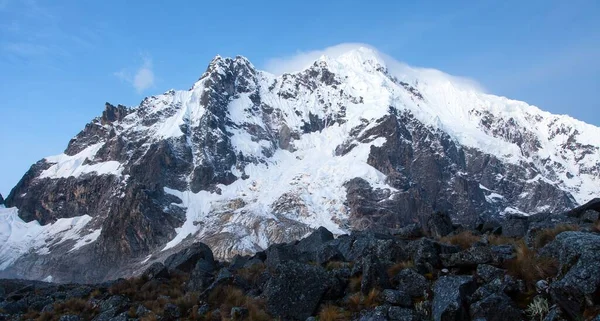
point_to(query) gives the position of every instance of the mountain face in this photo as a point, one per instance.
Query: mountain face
(244, 159)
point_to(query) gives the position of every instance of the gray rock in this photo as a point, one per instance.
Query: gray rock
(186, 259)
(327, 253)
(396, 297)
(578, 254)
(471, 257)
(69, 317)
(156, 270)
(451, 297)
(374, 274)
(495, 307)
(238, 313)
(410, 231)
(439, 225)
(411, 282)
(502, 253)
(401, 314)
(487, 273)
(295, 290)
(316, 239)
(141, 311)
(280, 253)
(555, 314)
(203, 309)
(515, 226)
(590, 216)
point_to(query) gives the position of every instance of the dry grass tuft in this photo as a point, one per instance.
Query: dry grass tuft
(252, 273)
(500, 240)
(226, 297)
(372, 299)
(393, 270)
(530, 267)
(596, 227)
(332, 313)
(464, 239)
(334, 265)
(354, 284)
(546, 236)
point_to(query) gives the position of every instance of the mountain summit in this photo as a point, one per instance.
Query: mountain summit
(245, 159)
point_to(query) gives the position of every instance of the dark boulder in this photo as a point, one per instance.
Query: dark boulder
(486, 273)
(156, 270)
(401, 314)
(515, 226)
(410, 231)
(439, 225)
(471, 257)
(451, 296)
(294, 291)
(495, 307)
(311, 243)
(593, 205)
(411, 282)
(186, 259)
(578, 254)
(201, 276)
(327, 253)
(396, 297)
(374, 274)
(280, 253)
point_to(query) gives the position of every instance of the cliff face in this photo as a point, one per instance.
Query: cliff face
(245, 159)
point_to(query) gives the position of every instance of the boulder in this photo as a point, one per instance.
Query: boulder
(156, 270)
(578, 254)
(401, 314)
(374, 274)
(495, 307)
(280, 253)
(316, 239)
(439, 225)
(294, 291)
(486, 273)
(411, 282)
(451, 296)
(515, 225)
(327, 253)
(410, 231)
(186, 259)
(471, 257)
(396, 297)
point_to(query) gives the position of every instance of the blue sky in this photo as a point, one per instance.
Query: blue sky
(61, 60)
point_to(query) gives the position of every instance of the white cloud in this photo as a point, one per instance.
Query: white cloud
(303, 59)
(142, 79)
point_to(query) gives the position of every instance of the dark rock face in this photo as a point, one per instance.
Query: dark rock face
(295, 290)
(1, 200)
(578, 253)
(187, 259)
(451, 298)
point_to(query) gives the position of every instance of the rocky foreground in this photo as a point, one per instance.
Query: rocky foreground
(542, 267)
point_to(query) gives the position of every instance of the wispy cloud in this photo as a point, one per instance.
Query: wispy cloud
(142, 79)
(303, 59)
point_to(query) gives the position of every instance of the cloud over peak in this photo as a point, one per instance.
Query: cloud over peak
(142, 79)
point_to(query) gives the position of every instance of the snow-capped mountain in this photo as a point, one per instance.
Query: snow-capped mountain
(245, 158)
